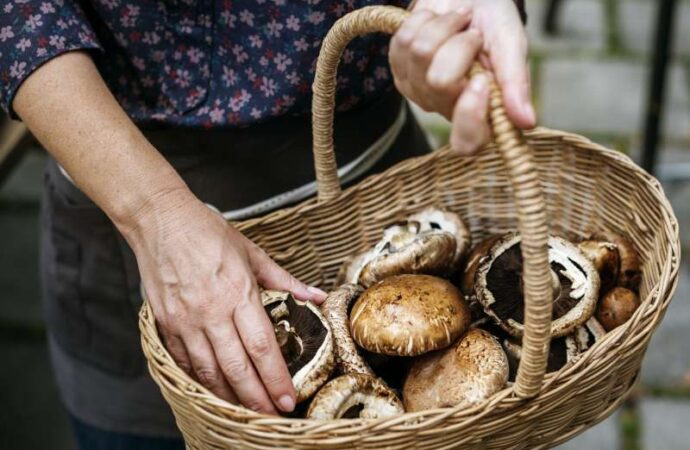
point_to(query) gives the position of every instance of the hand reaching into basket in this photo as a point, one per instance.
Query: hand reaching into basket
(200, 276)
(432, 52)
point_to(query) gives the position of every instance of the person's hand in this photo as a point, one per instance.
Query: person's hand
(432, 52)
(200, 276)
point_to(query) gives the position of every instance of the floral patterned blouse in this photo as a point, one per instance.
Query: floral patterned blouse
(194, 63)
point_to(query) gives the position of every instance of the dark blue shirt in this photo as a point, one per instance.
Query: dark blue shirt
(194, 63)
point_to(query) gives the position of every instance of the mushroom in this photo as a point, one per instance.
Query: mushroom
(562, 350)
(431, 241)
(468, 372)
(629, 273)
(575, 285)
(335, 309)
(616, 307)
(354, 395)
(438, 219)
(473, 259)
(606, 260)
(408, 315)
(305, 340)
(348, 272)
(349, 357)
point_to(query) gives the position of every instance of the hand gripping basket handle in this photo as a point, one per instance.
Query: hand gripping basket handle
(517, 158)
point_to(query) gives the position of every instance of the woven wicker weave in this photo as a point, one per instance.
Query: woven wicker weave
(518, 182)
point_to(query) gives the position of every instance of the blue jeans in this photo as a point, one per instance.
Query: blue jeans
(89, 437)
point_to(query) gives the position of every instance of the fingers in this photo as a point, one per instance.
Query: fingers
(178, 351)
(432, 34)
(271, 276)
(470, 127)
(238, 369)
(508, 54)
(430, 56)
(205, 367)
(452, 61)
(402, 40)
(258, 338)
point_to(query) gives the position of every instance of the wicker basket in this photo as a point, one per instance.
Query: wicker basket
(518, 182)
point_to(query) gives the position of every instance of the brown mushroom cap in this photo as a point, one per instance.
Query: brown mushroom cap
(630, 273)
(606, 260)
(439, 219)
(431, 241)
(617, 307)
(354, 395)
(499, 285)
(405, 248)
(408, 315)
(305, 340)
(468, 372)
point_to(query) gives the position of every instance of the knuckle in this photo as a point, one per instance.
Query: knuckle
(174, 313)
(259, 345)
(183, 365)
(421, 49)
(235, 370)
(474, 39)
(275, 380)
(208, 377)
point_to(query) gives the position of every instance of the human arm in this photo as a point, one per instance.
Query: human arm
(199, 273)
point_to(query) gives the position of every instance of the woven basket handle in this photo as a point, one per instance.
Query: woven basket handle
(517, 158)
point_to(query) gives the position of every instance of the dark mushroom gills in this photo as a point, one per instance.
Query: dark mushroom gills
(305, 339)
(575, 285)
(355, 395)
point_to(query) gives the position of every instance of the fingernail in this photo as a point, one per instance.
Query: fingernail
(286, 403)
(478, 82)
(462, 10)
(316, 291)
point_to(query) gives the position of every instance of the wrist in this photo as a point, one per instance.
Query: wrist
(154, 210)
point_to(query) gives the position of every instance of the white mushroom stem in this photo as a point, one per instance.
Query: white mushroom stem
(371, 395)
(335, 309)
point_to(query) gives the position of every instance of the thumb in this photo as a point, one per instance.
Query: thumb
(271, 276)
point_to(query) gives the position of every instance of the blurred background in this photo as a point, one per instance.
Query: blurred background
(596, 66)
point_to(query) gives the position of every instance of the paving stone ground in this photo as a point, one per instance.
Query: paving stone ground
(581, 27)
(637, 25)
(665, 424)
(667, 361)
(607, 96)
(606, 435)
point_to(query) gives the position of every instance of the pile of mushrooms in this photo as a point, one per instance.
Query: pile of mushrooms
(419, 321)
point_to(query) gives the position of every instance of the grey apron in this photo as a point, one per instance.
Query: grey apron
(90, 277)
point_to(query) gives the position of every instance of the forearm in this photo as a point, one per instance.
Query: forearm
(70, 110)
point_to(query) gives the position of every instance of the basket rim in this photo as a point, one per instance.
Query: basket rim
(537, 132)
(663, 289)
